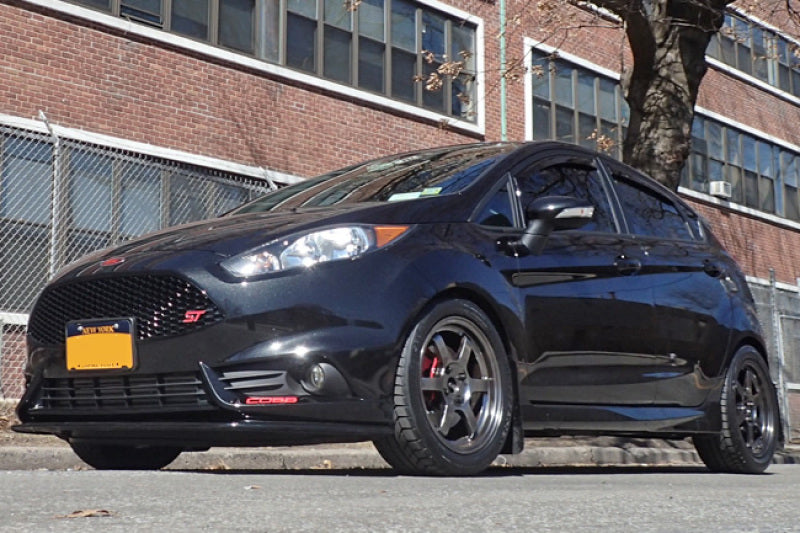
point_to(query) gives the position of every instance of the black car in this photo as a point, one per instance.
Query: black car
(443, 303)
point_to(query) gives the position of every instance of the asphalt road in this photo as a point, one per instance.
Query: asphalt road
(537, 499)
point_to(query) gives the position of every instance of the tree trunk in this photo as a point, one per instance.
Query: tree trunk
(668, 40)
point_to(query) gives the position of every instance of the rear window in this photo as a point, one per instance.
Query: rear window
(393, 179)
(649, 214)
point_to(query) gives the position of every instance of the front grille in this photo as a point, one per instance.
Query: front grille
(124, 392)
(158, 303)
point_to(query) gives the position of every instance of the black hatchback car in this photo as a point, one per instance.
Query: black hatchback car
(443, 303)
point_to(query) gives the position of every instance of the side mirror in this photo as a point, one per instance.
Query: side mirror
(552, 213)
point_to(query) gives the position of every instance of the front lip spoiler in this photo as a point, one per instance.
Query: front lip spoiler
(208, 434)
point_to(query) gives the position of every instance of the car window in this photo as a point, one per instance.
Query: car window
(578, 181)
(498, 210)
(650, 214)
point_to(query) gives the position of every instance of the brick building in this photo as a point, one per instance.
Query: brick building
(118, 117)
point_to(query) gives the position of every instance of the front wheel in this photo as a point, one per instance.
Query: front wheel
(452, 394)
(119, 457)
(750, 419)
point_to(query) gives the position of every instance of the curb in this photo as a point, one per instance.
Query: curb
(337, 458)
(365, 457)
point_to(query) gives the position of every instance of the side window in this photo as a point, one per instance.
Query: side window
(649, 214)
(578, 181)
(498, 210)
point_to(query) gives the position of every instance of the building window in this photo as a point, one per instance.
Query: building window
(26, 171)
(236, 25)
(758, 52)
(404, 50)
(397, 48)
(147, 11)
(575, 104)
(191, 18)
(763, 175)
(371, 46)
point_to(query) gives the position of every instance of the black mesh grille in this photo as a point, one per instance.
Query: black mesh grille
(158, 303)
(123, 392)
(256, 382)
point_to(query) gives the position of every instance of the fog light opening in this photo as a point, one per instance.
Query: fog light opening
(316, 377)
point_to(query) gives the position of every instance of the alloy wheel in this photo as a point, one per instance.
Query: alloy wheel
(753, 409)
(459, 385)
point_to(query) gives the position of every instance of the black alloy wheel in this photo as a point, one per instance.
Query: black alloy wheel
(750, 419)
(453, 394)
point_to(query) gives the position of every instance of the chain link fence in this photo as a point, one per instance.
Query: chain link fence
(61, 199)
(779, 313)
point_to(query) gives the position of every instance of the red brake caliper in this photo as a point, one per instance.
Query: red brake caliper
(431, 372)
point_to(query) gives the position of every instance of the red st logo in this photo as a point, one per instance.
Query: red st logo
(113, 261)
(193, 316)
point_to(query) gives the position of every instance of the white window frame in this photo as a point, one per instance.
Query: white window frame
(149, 150)
(531, 44)
(258, 65)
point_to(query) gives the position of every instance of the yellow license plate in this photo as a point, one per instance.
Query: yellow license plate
(100, 345)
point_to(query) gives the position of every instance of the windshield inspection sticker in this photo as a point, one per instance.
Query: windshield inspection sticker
(430, 191)
(404, 196)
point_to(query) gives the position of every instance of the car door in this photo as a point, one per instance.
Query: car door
(589, 315)
(689, 282)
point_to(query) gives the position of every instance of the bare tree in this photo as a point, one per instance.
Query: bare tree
(668, 40)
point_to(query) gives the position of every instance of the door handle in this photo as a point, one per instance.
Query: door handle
(627, 266)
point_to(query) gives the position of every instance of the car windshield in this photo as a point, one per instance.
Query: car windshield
(405, 177)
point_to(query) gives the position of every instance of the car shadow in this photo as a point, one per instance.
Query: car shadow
(491, 472)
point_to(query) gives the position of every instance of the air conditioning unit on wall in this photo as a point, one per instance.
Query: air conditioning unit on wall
(720, 189)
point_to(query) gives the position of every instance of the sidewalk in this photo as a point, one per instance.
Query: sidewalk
(36, 452)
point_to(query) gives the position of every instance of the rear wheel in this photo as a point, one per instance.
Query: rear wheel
(452, 395)
(118, 457)
(750, 419)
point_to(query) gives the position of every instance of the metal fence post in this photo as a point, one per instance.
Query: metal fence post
(778, 346)
(57, 208)
(2, 339)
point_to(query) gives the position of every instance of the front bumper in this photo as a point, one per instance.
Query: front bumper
(262, 339)
(203, 435)
(208, 407)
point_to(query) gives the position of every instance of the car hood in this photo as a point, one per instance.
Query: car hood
(233, 234)
(226, 236)
(230, 235)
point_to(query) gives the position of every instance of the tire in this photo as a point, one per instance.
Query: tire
(750, 419)
(452, 395)
(118, 457)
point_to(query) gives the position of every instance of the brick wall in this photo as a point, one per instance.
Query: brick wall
(750, 105)
(12, 364)
(127, 87)
(793, 400)
(757, 245)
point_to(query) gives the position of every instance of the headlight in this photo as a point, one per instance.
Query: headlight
(307, 250)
